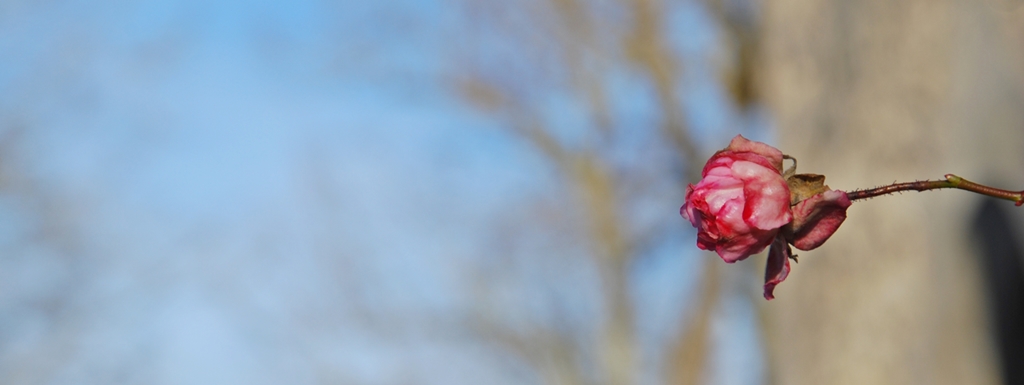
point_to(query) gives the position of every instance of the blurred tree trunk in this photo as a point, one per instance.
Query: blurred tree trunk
(869, 93)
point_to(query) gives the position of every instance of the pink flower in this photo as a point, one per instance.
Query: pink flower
(743, 204)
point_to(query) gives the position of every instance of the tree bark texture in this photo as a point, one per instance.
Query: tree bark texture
(868, 93)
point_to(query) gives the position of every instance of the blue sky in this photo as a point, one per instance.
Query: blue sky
(249, 192)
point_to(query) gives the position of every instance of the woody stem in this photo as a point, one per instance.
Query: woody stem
(952, 181)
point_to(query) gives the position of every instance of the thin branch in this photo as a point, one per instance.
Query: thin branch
(646, 48)
(952, 181)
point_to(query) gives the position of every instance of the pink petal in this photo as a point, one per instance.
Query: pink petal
(739, 248)
(816, 218)
(717, 191)
(719, 164)
(741, 202)
(693, 210)
(724, 159)
(741, 144)
(687, 210)
(778, 266)
(766, 195)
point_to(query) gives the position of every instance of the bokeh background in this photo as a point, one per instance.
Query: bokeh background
(487, 192)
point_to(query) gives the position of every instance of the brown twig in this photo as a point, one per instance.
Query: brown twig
(952, 181)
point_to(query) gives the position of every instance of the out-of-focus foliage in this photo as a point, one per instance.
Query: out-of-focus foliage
(358, 192)
(600, 90)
